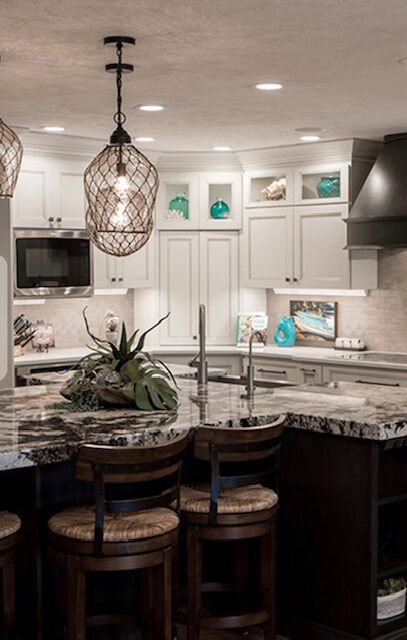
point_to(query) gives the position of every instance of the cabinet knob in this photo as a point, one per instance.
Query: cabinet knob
(50, 219)
(59, 219)
(194, 337)
(120, 279)
(113, 279)
(295, 279)
(288, 279)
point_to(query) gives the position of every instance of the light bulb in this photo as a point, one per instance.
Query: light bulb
(121, 186)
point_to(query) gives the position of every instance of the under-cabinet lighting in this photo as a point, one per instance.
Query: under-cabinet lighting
(110, 292)
(29, 302)
(321, 292)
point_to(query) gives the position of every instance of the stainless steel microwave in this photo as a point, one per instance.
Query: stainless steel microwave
(52, 263)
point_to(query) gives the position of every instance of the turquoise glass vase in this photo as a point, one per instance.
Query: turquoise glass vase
(220, 209)
(178, 207)
(286, 334)
(329, 187)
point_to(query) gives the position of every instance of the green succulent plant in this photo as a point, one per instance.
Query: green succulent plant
(121, 375)
(391, 585)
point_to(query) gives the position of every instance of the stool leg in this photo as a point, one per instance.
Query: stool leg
(175, 585)
(268, 580)
(147, 603)
(76, 600)
(8, 600)
(194, 582)
(242, 572)
(163, 597)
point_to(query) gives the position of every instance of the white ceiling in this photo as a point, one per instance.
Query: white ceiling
(337, 60)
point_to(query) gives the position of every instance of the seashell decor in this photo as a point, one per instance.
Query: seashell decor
(275, 190)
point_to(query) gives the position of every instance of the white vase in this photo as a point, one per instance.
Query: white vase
(392, 605)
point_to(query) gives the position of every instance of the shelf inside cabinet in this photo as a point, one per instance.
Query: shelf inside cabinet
(392, 536)
(393, 475)
(321, 185)
(276, 190)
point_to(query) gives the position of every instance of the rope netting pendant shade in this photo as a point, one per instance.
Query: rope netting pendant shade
(120, 208)
(120, 183)
(11, 153)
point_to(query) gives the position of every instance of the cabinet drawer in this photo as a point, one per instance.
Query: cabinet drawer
(309, 373)
(366, 375)
(271, 369)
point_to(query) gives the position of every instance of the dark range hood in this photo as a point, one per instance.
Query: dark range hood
(378, 218)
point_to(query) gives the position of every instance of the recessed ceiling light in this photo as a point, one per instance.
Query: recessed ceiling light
(53, 129)
(145, 139)
(221, 148)
(151, 107)
(308, 129)
(310, 138)
(269, 86)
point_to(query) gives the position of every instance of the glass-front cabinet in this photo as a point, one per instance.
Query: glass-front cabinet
(268, 188)
(220, 201)
(177, 201)
(324, 184)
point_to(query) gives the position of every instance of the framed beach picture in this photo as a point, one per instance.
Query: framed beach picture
(315, 321)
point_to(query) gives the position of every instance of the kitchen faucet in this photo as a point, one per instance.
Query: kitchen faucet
(201, 364)
(250, 370)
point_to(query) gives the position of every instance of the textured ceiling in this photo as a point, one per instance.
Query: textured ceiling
(337, 60)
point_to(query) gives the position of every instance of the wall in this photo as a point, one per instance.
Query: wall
(380, 318)
(66, 316)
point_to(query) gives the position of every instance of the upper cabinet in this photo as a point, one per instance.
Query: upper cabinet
(321, 184)
(268, 188)
(177, 202)
(193, 201)
(50, 193)
(220, 201)
(128, 272)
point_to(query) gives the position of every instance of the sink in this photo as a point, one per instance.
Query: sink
(241, 380)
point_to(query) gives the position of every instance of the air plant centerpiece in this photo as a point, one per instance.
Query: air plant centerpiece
(121, 375)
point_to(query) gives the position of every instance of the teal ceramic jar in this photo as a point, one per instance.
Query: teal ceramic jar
(220, 209)
(329, 187)
(179, 207)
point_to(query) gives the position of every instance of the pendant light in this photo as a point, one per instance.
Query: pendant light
(11, 153)
(120, 183)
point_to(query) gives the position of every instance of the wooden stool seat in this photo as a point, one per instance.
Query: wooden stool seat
(78, 523)
(197, 499)
(10, 523)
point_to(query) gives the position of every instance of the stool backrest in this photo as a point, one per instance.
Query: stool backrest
(106, 465)
(239, 456)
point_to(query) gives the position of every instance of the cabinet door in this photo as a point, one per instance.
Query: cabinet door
(71, 194)
(177, 202)
(219, 285)
(104, 268)
(33, 204)
(179, 287)
(137, 270)
(320, 260)
(220, 201)
(268, 247)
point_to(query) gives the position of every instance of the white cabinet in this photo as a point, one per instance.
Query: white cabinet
(198, 268)
(267, 247)
(50, 192)
(220, 201)
(320, 261)
(364, 375)
(129, 272)
(177, 202)
(179, 287)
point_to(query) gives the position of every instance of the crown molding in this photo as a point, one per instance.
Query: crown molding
(199, 161)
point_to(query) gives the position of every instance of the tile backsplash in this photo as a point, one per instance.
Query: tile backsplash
(380, 318)
(66, 316)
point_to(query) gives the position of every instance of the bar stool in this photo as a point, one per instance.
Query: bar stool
(122, 535)
(10, 525)
(233, 508)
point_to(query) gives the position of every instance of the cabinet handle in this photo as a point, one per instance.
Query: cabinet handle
(282, 372)
(308, 370)
(295, 279)
(120, 279)
(113, 279)
(384, 384)
(288, 279)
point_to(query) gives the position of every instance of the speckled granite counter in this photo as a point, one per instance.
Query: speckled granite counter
(33, 434)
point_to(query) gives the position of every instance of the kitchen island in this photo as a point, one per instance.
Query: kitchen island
(343, 484)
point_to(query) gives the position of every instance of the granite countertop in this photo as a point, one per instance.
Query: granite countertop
(33, 434)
